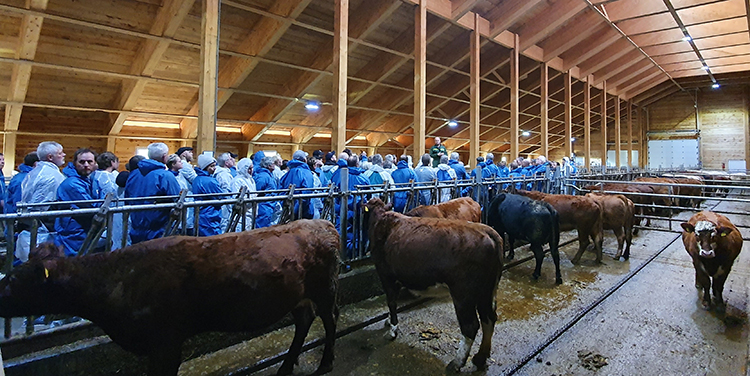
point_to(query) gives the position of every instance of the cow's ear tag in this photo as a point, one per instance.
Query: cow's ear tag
(366, 209)
(723, 234)
(46, 273)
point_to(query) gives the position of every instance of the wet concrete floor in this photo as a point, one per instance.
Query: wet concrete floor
(653, 325)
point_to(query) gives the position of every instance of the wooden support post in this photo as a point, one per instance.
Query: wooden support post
(209, 84)
(111, 143)
(514, 130)
(603, 114)
(587, 123)
(474, 92)
(250, 150)
(9, 152)
(618, 137)
(340, 71)
(746, 124)
(568, 115)
(630, 133)
(420, 78)
(643, 122)
(543, 107)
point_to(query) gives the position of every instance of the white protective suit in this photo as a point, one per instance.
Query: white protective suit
(40, 185)
(243, 179)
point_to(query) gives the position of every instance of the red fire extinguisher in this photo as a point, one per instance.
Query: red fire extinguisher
(723, 166)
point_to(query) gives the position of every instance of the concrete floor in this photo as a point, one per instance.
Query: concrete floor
(653, 325)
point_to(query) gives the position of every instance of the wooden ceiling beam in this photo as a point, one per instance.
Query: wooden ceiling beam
(300, 83)
(460, 8)
(647, 76)
(579, 28)
(645, 85)
(508, 13)
(618, 66)
(168, 19)
(384, 64)
(603, 38)
(608, 55)
(627, 74)
(28, 41)
(551, 19)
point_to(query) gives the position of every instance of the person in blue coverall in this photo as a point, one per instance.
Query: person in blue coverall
(403, 174)
(150, 179)
(14, 187)
(300, 175)
(353, 202)
(265, 181)
(209, 222)
(79, 185)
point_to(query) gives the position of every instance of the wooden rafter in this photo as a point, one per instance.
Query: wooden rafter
(551, 19)
(167, 21)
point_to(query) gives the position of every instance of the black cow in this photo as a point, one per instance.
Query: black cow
(151, 296)
(526, 219)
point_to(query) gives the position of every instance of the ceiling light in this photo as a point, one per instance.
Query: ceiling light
(705, 67)
(452, 123)
(572, 139)
(715, 86)
(687, 38)
(312, 106)
(220, 128)
(525, 133)
(154, 124)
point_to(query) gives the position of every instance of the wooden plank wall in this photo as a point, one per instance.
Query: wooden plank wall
(722, 120)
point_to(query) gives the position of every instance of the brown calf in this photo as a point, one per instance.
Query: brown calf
(713, 242)
(417, 253)
(151, 296)
(618, 216)
(583, 214)
(464, 208)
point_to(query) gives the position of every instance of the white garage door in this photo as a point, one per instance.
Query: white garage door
(673, 153)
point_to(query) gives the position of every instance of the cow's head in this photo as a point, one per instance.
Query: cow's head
(707, 235)
(25, 290)
(376, 205)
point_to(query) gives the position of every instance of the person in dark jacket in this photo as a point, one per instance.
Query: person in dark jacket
(353, 202)
(265, 181)
(150, 179)
(457, 166)
(79, 185)
(436, 151)
(403, 174)
(300, 175)
(210, 215)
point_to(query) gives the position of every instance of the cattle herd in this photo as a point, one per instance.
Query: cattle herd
(152, 296)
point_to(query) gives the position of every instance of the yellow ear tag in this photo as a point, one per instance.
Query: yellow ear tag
(46, 273)
(366, 209)
(723, 234)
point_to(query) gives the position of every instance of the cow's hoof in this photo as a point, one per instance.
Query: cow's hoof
(719, 306)
(575, 261)
(480, 361)
(558, 281)
(391, 334)
(284, 371)
(706, 305)
(454, 366)
(322, 370)
(535, 277)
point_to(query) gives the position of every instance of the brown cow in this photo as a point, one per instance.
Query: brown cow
(464, 208)
(417, 253)
(639, 194)
(618, 216)
(580, 213)
(151, 296)
(695, 190)
(713, 242)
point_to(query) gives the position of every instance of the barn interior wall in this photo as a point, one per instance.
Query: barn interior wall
(722, 121)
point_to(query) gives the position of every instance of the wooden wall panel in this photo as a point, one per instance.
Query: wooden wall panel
(721, 119)
(29, 143)
(125, 148)
(722, 116)
(675, 112)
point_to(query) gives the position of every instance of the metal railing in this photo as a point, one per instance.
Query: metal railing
(341, 207)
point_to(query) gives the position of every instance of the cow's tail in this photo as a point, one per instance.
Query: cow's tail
(599, 239)
(555, 241)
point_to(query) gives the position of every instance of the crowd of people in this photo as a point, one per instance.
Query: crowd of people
(90, 177)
